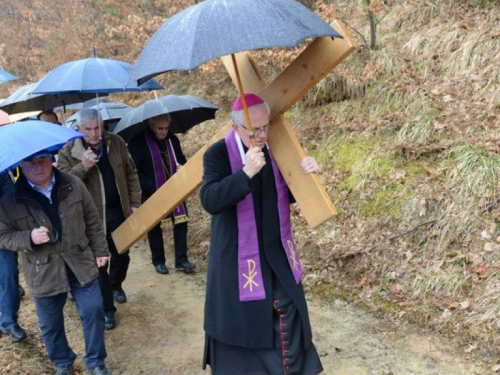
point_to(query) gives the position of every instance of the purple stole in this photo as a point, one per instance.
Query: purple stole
(179, 212)
(251, 284)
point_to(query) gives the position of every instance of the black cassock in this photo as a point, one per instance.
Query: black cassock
(250, 337)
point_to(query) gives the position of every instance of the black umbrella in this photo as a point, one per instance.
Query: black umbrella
(185, 111)
(23, 100)
(215, 28)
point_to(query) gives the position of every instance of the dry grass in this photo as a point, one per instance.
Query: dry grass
(461, 48)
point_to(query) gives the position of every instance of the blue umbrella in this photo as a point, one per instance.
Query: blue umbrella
(23, 100)
(215, 28)
(92, 76)
(22, 139)
(6, 76)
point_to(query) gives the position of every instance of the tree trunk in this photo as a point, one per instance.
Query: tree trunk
(373, 26)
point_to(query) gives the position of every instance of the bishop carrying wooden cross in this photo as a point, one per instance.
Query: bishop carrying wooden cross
(256, 316)
(168, 50)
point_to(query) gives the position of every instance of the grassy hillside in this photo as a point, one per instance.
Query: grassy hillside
(406, 134)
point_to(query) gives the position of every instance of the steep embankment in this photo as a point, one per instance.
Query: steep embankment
(406, 134)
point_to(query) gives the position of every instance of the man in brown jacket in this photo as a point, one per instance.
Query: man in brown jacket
(101, 160)
(50, 217)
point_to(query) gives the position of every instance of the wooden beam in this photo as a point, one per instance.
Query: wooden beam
(314, 63)
(310, 67)
(308, 191)
(165, 199)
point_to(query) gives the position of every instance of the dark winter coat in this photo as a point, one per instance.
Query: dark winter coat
(127, 182)
(138, 148)
(81, 241)
(6, 183)
(246, 324)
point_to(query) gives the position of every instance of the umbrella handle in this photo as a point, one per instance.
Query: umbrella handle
(244, 102)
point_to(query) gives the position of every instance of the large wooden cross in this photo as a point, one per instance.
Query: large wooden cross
(313, 64)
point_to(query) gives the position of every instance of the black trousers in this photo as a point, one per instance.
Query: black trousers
(155, 238)
(118, 266)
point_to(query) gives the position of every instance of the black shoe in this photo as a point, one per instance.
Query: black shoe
(109, 321)
(119, 296)
(22, 293)
(101, 370)
(15, 332)
(187, 267)
(161, 268)
(64, 370)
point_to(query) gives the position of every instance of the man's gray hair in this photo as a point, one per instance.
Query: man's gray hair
(238, 117)
(165, 116)
(87, 115)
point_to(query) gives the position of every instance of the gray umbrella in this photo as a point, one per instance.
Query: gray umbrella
(215, 28)
(110, 113)
(22, 100)
(88, 104)
(185, 111)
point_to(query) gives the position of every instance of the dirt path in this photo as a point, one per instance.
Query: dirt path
(160, 333)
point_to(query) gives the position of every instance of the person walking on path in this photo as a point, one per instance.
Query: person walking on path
(158, 155)
(51, 219)
(109, 173)
(256, 319)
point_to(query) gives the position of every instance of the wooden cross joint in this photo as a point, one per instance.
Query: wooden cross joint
(312, 65)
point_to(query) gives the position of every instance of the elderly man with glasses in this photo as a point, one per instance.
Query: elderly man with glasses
(51, 219)
(256, 318)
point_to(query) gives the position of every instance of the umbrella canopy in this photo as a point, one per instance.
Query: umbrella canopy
(4, 118)
(215, 28)
(185, 111)
(22, 139)
(6, 76)
(109, 111)
(93, 75)
(88, 104)
(30, 115)
(23, 100)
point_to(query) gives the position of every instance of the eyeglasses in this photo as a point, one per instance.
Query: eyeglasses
(257, 131)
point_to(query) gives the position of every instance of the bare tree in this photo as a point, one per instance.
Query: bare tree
(373, 24)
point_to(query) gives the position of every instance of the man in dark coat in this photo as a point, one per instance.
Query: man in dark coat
(157, 155)
(10, 297)
(256, 318)
(51, 219)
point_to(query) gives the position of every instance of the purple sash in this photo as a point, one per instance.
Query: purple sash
(251, 285)
(179, 212)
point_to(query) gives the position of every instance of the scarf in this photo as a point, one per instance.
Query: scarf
(180, 212)
(251, 285)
